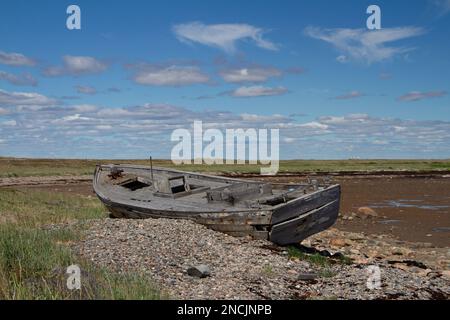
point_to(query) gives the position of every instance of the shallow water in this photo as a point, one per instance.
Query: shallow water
(419, 207)
(403, 203)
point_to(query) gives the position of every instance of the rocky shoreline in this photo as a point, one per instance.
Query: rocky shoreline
(330, 265)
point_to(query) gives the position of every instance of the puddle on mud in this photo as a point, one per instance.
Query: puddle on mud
(389, 221)
(419, 204)
(441, 229)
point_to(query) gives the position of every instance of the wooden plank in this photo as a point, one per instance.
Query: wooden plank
(298, 229)
(306, 203)
(249, 218)
(240, 218)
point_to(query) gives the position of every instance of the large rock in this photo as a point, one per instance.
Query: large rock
(200, 271)
(366, 212)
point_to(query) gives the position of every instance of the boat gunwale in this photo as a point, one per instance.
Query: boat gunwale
(104, 198)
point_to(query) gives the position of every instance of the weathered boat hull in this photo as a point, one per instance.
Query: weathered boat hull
(283, 223)
(306, 224)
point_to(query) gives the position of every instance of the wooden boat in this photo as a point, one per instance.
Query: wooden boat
(283, 214)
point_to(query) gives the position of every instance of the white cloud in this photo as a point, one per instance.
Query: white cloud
(76, 65)
(54, 71)
(351, 118)
(258, 91)
(350, 95)
(443, 5)
(103, 127)
(368, 46)
(84, 108)
(25, 99)
(169, 75)
(15, 59)
(342, 59)
(10, 123)
(86, 89)
(77, 131)
(276, 118)
(113, 112)
(289, 140)
(249, 74)
(24, 79)
(223, 36)
(80, 64)
(74, 117)
(380, 142)
(417, 95)
(314, 125)
(399, 128)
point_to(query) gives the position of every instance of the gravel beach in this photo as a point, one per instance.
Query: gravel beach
(242, 268)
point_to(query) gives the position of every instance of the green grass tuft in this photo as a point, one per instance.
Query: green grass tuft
(315, 258)
(324, 263)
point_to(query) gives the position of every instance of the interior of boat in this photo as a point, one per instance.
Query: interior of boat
(190, 188)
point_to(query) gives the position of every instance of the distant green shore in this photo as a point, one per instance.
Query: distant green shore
(19, 167)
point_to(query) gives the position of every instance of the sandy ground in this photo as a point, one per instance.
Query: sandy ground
(43, 181)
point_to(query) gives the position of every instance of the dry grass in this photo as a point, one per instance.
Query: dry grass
(34, 258)
(11, 167)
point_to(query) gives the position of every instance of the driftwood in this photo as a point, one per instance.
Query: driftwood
(283, 214)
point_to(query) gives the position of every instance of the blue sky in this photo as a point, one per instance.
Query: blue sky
(138, 70)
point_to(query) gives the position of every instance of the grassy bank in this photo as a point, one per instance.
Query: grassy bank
(11, 167)
(34, 258)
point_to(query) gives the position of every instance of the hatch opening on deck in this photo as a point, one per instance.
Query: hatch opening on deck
(134, 184)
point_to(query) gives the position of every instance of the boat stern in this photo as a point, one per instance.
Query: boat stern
(305, 216)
